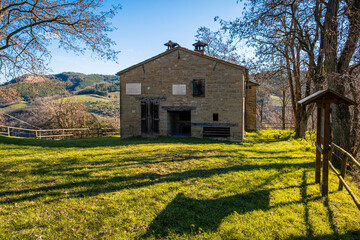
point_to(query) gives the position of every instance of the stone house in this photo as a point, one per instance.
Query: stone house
(186, 93)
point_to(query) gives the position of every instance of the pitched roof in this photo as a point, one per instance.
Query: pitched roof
(327, 95)
(185, 50)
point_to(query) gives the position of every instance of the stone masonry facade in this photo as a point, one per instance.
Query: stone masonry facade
(156, 79)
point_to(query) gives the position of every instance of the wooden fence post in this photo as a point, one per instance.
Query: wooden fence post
(343, 172)
(8, 131)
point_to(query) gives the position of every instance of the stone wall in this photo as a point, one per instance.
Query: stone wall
(224, 92)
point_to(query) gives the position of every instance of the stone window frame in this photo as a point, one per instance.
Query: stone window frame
(197, 87)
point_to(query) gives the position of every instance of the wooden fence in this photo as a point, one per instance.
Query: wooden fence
(269, 125)
(345, 157)
(57, 133)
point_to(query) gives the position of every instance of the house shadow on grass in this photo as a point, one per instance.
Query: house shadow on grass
(111, 141)
(185, 215)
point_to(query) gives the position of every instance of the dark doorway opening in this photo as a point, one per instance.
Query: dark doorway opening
(149, 118)
(179, 123)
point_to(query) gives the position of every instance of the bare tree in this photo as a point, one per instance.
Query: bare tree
(28, 26)
(354, 88)
(341, 33)
(8, 95)
(219, 45)
(317, 37)
(62, 112)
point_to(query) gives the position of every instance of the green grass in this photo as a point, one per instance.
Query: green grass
(168, 188)
(15, 106)
(91, 98)
(276, 101)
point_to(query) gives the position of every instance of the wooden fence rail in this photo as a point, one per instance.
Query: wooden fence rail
(275, 125)
(57, 133)
(341, 175)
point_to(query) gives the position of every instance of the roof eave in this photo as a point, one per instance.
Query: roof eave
(183, 49)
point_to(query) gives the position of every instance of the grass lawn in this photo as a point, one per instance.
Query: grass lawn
(168, 188)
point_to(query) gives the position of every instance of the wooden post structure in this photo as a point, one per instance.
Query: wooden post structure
(323, 99)
(326, 147)
(318, 153)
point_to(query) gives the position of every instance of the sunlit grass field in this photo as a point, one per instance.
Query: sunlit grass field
(15, 106)
(169, 188)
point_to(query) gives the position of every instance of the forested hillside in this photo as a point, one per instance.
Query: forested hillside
(31, 87)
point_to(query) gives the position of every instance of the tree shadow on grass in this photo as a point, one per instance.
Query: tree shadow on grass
(305, 199)
(118, 183)
(184, 215)
(351, 235)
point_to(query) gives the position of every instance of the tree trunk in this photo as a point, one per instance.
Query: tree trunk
(301, 120)
(261, 111)
(283, 110)
(302, 127)
(355, 121)
(340, 114)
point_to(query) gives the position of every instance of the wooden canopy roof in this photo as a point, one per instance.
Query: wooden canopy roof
(327, 96)
(199, 43)
(252, 83)
(170, 44)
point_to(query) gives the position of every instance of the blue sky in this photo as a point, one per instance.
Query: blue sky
(143, 26)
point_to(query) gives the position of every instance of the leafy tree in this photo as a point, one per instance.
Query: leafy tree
(28, 26)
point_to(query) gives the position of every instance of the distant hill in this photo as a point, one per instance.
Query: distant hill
(32, 86)
(78, 81)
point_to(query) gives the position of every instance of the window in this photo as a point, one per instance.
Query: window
(199, 88)
(215, 117)
(179, 89)
(133, 89)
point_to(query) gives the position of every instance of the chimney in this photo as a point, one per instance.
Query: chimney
(171, 45)
(200, 47)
